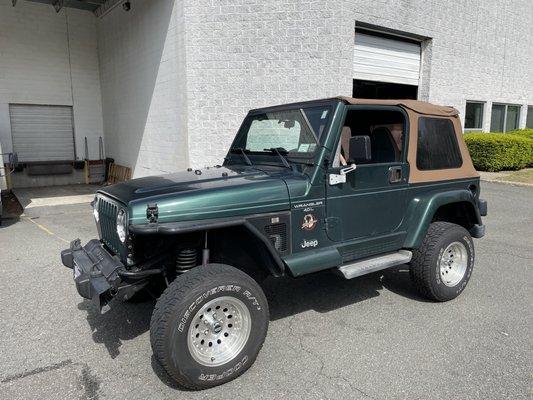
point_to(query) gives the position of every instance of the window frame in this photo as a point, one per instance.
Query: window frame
(483, 110)
(456, 143)
(331, 105)
(529, 114)
(506, 105)
(335, 163)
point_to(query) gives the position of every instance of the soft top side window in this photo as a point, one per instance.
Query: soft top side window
(437, 146)
(384, 127)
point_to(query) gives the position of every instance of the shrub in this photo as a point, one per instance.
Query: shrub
(527, 133)
(500, 151)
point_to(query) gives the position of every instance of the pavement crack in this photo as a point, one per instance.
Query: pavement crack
(321, 371)
(353, 387)
(36, 371)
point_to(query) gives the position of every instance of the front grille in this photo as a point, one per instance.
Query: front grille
(277, 234)
(108, 211)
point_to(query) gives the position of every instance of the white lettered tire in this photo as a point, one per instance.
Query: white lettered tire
(209, 325)
(442, 266)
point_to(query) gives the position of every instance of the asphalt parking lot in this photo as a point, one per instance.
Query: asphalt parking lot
(368, 338)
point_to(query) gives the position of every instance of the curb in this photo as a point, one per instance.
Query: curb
(512, 183)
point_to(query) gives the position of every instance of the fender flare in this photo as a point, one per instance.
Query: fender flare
(176, 228)
(422, 209)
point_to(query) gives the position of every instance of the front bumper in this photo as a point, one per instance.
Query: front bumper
(96, 272)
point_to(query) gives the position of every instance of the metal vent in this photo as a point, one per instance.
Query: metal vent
(108, 224)
(277, 234)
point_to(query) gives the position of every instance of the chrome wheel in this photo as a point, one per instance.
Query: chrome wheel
(453, 264)
(219, 331)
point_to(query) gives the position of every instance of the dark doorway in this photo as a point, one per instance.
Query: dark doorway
(383, 90)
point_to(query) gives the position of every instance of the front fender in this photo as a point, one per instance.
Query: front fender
(176, 228)
(422, 209)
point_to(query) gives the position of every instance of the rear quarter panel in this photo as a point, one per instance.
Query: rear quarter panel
(426, 198)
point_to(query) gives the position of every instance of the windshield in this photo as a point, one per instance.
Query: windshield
(292, 132)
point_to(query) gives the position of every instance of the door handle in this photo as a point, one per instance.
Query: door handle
(395, 174)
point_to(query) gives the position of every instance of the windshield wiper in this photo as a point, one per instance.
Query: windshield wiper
(278, 151)
(240, 150)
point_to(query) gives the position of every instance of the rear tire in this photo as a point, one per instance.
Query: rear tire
(209, 325)
(441, 267)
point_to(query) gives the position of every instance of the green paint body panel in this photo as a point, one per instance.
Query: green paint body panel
(365, 216)
(186, 196)
(426, 199)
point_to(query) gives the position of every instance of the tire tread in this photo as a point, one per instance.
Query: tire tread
(420, 270)
(167, 302)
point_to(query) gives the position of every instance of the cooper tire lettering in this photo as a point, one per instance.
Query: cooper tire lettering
(178, 307)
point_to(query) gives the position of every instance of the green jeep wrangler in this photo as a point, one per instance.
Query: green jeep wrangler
(349, 185)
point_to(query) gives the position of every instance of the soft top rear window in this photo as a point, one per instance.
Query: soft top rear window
(437, 145)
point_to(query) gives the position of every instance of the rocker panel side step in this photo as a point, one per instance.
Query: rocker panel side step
(373, 264)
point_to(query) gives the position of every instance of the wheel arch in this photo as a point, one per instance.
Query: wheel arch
(250, 243)
(456, 206)
(253, 251)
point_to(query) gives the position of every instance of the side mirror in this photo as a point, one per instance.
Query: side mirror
(360, 149)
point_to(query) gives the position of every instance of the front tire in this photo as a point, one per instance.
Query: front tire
(441, 267)
(209, 325)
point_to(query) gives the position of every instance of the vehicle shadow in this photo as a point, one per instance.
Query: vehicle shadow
(321, 292)
(124, 321)
(326, 291)
(397, 280)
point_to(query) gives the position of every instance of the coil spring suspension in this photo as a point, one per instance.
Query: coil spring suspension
(186, 259)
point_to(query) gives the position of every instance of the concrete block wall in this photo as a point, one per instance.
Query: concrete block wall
(479, 50)
(245, 54)
(86, 92)
(35, 44)
(142, 69)
(178, 77)
(170, 81)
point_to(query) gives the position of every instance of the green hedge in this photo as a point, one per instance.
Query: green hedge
(528, 133)
(501, 151)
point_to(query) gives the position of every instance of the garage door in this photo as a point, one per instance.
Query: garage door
(42, 133)
(386, 60)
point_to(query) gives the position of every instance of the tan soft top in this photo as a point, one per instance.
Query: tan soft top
(416, 110)
(420, 107)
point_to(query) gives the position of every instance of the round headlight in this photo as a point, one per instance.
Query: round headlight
(121, 225)
(95, 210)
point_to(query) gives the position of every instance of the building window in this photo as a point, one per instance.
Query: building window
(474, 115)
(529, 120)
(504, 117)
(513, 118)
(437, 146)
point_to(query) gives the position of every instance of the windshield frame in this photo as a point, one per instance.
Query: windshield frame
(259, 156)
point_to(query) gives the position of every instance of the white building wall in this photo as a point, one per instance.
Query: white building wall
(479, 50)
(142, 63)
(178, 77)
(35, 67)
(247, 54)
